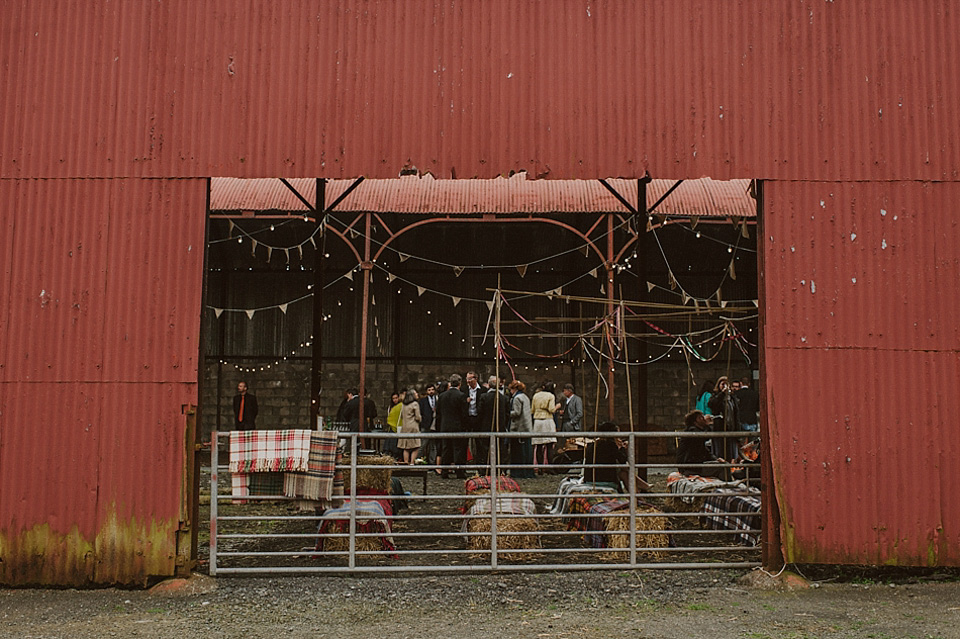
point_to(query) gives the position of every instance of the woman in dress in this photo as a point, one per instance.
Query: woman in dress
(544, 405)
(409, 423)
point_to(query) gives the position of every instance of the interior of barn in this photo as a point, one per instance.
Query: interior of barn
(636, 292)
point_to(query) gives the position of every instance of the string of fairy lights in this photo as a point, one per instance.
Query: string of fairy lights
(588, 350)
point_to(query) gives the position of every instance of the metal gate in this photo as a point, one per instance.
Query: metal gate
(534, 518)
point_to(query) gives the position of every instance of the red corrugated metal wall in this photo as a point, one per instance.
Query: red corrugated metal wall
(792, 91)
(862, 369)
(100, 316)
(566, 89)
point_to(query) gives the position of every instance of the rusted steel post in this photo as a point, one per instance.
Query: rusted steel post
(642, 357)
(609, 288)
(365, 268)
(316, 370)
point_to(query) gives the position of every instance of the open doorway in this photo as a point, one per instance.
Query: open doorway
(638, 312)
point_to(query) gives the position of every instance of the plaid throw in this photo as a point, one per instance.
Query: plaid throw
(265, 451)
(504, 484)
(578, 506)
(371, 519)
(516, 505)
(573, 486)
(322, 478)
(743, 514)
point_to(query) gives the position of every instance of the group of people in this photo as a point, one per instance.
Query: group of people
(464, 406)
(721, 407)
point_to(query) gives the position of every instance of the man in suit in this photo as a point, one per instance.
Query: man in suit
(572, 412)
(494, 412)
(428, 423)
(452, 414)
(245, 409)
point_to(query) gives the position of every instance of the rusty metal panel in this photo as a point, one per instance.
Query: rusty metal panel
(561, 89)
(861, 367)
(413, 194)
(95, 369)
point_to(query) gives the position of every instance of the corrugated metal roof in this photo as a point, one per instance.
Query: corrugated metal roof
(861, 369)
(99, 318)
(565, 89)
(412, 194)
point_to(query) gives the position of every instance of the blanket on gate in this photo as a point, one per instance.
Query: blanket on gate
(265, 451)
(572, 486)
(726, 511)
(688, 487)
(321, 481)
(504, 484)
(371, 519)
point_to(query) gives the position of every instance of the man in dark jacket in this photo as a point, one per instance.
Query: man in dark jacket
(428, 413)
(693, 456)
(749, 406)
(494, 417)
(245, 409)
(452, 415)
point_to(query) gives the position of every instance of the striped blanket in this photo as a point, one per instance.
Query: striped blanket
(322, 480)
(573, 486)
(735, 512)
(579, 506)
(371, 519)
(513, 505)
(504, 484)
(687, 487)
(265, 451)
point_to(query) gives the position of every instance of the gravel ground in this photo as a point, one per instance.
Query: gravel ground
(643, 604)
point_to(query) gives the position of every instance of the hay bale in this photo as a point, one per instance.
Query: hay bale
(619, 522)
(504, 539)
(377, 479)
(341, 543)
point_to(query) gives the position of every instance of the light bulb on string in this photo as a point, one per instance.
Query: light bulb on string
(729, 249)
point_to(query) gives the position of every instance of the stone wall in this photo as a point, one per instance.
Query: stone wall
(283, 391)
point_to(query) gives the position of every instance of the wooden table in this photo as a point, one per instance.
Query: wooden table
(413, 471)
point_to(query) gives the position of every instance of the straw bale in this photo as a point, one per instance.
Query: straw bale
(505, 541)
(341, 543)
(620, 522)
(373, 478)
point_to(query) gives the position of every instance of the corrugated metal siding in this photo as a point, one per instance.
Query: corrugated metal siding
(412, 194)
(862, 369)
(96, 368)
(572, 89)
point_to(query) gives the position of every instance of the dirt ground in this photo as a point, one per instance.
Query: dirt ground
(581, 605)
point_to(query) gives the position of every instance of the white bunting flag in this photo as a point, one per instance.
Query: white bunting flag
(489, 304)
(391, 277)
(218, 312)
(733, 273)
(650, 286)
(522, 269)
(283, 308)
(287, 253)
(300, 251)
(723, 304)
(756, 303)
(686, 298)
(593, 273)
(349, 275)
(403, 257)
(456, 300)
(373, 299)
(312, 242)
(253, 247)
(694, 220)
(420, 290)
(250, 314)
(672, 280)
(457, 270)
(269, 252)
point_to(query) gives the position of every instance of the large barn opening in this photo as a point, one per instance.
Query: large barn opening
(639, 293)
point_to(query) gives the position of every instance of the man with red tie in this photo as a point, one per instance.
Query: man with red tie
(244, 409)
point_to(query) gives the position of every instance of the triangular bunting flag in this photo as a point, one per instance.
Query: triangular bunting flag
(391, 277)
(349, 275)
(253, 247)
(283, 308)
(672, 280)
(650, 286)
(457, 270)
(522, 269)
(287, 253)
(586, 250)
(649, 225)
(718, 295)
(593, 273)
(218, 312)
(756, 303)
(686, 298)
(420, 290)
(314, 244)
(694, 220)
(723, 304)
(269, 252)
(489, 305)
(744, 230)
(250, 314)
(300, 251)
(696, 304)
(230, 226)
(403, 257)
(733, 272)
(373, 300)
(456, 300)
(375, 322)
(602, 290)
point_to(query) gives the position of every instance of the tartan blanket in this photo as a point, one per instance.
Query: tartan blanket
(514, 505)
(265, 451)
(371, 519)
(743, 513)
(578, 506)
(687, 487)
(572, 486)
(321, 480)
(504, 484)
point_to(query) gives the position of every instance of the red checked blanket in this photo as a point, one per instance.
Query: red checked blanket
(266, 451)
(321, 480)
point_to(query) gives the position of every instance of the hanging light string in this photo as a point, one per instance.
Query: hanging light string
(233, 225)
(282, 306)
(262, 367)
